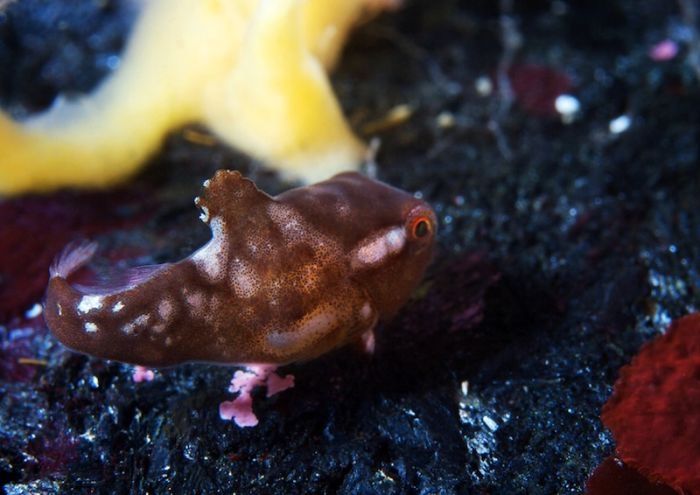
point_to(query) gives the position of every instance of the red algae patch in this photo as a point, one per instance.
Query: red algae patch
(36, 228)
(613, 477)
(536, 88)
(654, 412)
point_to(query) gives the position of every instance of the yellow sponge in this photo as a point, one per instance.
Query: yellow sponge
(252, 70)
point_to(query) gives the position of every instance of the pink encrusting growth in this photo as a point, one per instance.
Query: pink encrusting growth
(142, 374)
(243, 383)
(663, 51)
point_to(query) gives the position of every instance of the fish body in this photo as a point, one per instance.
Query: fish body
(283, 279)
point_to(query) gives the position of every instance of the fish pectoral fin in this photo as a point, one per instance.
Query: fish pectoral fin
(333, 323)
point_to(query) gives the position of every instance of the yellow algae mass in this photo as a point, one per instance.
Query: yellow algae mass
(254, 71)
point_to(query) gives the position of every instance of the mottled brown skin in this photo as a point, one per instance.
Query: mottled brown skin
(283, 279)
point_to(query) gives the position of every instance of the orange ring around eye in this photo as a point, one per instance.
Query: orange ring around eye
(421, 227)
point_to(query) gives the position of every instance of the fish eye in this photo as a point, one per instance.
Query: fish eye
(421, 227)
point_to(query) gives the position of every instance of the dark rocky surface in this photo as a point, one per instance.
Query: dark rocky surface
(563, 247)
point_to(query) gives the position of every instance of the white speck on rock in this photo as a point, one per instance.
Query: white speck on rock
(619, 124)
(490, 423)
(567, 106)
(34, 311)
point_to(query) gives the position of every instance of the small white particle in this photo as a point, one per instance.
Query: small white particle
(88, 303)
(620, 124)
(490, 423)
(206, 183)
(445, 120)
(484, 86)
(567, 106)
(34, 311)
(60, 309)
(90, 327)
(117, 307)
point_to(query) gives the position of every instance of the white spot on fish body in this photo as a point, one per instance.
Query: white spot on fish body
(165, 309)
(244, 280)
(90, 327)
(376, 249)
(204, 216)
(212, 257)
(88, 303)
(288, 221)
(140, 321)
(195, 300)
(394, 240)
(118, 306)
(366, 311)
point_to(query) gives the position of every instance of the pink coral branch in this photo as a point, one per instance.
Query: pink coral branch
(244, 381)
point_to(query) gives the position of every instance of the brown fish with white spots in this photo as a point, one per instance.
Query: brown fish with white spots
(283, 279)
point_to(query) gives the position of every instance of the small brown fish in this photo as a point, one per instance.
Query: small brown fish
(283, 279)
